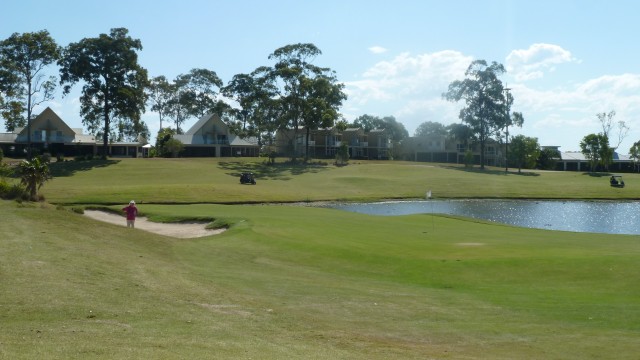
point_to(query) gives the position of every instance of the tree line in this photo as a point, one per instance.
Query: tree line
(116, 89)
(293, 92)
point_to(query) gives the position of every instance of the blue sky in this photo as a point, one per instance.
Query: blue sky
(566, 60)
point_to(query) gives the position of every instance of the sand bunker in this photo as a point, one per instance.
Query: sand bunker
(178, 230)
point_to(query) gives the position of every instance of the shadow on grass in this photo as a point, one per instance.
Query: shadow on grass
(68, 168)
(489, 171)
(277, 171)
(598, 175)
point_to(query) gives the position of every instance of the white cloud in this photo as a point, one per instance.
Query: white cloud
(408, 87)
(377, 49)
(532, 63)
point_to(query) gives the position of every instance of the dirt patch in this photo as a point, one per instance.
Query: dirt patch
(177, 230)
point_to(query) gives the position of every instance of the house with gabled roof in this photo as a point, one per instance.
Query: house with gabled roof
(49, 133)
(211, 137)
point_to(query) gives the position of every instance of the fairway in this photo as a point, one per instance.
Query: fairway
(291, 281)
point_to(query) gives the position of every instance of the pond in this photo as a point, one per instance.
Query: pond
(611, 217)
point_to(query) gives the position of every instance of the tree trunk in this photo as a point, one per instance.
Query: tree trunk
(306, 146)
(105, 135)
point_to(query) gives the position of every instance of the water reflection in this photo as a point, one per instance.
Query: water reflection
(579, 216)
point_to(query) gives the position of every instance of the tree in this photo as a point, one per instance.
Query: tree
(33, 174)
(395, 128)
(548, 158)
(460, 132)
(194, 95)
(524, 151)
(293, 66)
(342, 155)
(482, 92)
(323, 96)
(114, 82)
(634, 152)
(368, 122)
(10, 108)
(595, 147)
(253, 93)
(512, 119)
(606, 121)
(173, 147)
(389, 123)
(430, 128)
(23, 59)
(164, 135)
(159, 93)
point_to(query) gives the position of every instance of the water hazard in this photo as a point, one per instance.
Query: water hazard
(611, 217)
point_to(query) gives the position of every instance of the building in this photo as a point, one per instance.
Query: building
(576, 161)
(211, 137)
(49, 133)
(438, 149)
(324, 143)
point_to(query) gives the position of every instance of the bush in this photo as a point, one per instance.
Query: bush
(45, 157)
(12, 191)
(5, 170)
(468, 158)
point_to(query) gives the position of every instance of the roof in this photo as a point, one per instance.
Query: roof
(203, 121)
(8, 137)
(578, 156)
(238, 141)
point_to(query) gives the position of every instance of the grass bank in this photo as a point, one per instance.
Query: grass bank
(311, 283)
(207, 180)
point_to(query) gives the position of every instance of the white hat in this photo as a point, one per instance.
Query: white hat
(132, 202)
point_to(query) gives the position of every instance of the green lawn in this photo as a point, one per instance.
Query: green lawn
(310, 283)
(208, 180)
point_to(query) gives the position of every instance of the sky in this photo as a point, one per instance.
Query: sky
(566, 60)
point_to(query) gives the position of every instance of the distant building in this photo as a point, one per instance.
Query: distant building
(211, 137)
(438, 148)
(576, 161)
(49, 133)
(324, 143)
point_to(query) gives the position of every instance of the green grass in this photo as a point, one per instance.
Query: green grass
(309, 283)
(208, 180)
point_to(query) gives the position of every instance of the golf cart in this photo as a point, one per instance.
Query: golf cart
(247, 178)
(616, 181)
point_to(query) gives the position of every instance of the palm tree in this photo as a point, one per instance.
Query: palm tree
(33, 174)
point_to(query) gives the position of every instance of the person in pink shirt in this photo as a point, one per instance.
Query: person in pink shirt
(132, 212)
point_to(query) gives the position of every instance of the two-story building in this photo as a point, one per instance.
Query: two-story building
(438, 148)
(324, 143)
(49, 133)
(211, 137)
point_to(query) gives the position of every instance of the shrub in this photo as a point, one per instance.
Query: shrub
(33, 174)
(12, 191)
(45, 157)
(468, 158)
(5, 170)
(342, 155)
